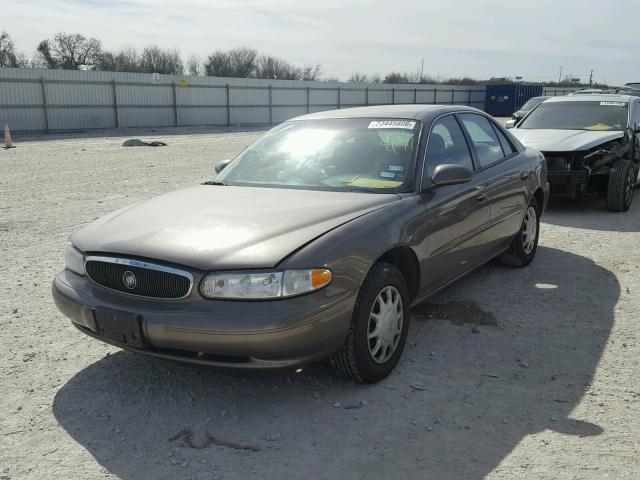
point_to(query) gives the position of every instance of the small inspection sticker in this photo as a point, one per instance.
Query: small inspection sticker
(387, 175)
(613, 104)
(396, 168)
(407, 124)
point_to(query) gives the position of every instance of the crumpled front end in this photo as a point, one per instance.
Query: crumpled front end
(575, 172)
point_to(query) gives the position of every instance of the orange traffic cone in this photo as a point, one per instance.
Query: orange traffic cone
(8, 143)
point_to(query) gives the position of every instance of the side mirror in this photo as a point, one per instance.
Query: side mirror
(451, 174)
(221, 165)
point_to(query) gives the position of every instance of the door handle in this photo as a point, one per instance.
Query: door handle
(524, 175)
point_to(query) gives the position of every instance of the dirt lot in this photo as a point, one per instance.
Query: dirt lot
(529, 374)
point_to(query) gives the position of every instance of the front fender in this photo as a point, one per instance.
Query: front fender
(350, 250)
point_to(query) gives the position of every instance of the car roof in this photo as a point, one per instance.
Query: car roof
(592, 97)
(585, 91)
(424, 113)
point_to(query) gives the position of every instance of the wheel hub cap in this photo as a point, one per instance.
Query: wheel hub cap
(529, 230)
(385, 324)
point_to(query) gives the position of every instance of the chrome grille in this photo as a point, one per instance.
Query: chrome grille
(139, 278)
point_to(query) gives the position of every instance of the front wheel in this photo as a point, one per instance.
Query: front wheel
(379, 327)
(622, 181)
(525, 243)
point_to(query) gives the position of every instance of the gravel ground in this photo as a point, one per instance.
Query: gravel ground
(529, 374)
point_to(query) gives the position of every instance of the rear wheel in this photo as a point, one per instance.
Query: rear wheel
(379, 327)
(622, 180)
(524, 245)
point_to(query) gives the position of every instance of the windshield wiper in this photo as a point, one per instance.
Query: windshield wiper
(364, 190)
(213, 182)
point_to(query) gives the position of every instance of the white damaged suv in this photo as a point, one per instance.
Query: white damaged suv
(591, 144)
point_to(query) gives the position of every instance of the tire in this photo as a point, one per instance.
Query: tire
(525, 244)
(622, 180)
(359, 359)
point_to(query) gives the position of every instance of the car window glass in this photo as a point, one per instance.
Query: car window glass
(506, 145)
(446, 145)
(366, 154)
(484, 138)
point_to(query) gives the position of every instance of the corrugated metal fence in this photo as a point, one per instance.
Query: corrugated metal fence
(49, 100)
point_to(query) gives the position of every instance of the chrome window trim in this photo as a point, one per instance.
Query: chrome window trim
(140, 264)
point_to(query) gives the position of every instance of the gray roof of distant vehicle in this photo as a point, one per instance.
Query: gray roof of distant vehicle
(411, 111)
(592, 97)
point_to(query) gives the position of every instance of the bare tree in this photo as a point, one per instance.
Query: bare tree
(8, 55)
(218, 65)
(154, 59)
(310, 72)
(275, 68)
(125, 60)
(237, 62)
(194, 65)
(243, 61)
(396, 77)
(358, 77)
(69, 51)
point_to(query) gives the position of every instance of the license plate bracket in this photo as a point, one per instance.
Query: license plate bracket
(121, 327)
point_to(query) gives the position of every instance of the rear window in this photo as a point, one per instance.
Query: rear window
(592, 115)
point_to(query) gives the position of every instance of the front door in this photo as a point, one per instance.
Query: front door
(456, 215)
(507, 175)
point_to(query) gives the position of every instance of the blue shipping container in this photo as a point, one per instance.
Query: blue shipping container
(503, 100)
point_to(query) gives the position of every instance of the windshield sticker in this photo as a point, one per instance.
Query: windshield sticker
(406, 124)
(613, 104)
(387, 175)
(396, 168)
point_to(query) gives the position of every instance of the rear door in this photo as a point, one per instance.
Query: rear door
(456, 215)
(506, 175)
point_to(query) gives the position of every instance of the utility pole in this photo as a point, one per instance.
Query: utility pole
(591, 79)
(422, 69)
(560, 76)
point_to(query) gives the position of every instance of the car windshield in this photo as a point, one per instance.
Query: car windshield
(629, 91)
(585, 115)
(532, 103)
(355, 154)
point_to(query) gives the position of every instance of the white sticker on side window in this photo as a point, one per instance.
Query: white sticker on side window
(406, 124)
(614, 104)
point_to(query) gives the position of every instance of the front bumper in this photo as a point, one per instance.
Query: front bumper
(567, 182)
(227, 334)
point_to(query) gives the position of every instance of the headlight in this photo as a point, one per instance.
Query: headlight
(263, 285)
(74, 260)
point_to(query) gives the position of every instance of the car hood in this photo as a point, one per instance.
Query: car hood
(220, 227)
(563, 140)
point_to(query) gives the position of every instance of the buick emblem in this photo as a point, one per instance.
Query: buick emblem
(129, 280)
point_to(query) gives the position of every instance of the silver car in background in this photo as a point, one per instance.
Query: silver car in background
(591, 144)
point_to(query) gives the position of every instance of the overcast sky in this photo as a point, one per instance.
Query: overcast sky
(477, 38)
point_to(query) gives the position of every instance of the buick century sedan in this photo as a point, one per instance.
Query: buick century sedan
(311, 244)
